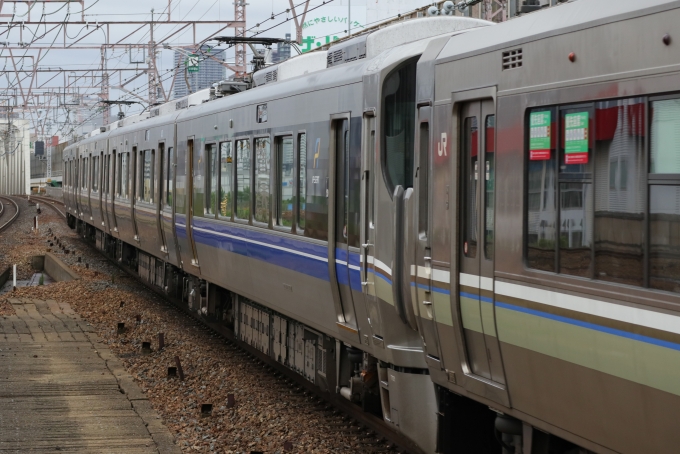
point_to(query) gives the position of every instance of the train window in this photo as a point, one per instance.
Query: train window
(302, 179)
(353, 193)
(664, 247)
(399, 95)
(261, 113)
(262, 167)
(226, 180)
(95, 173)
(119, 180)
(471, 172)
(211, 178)
(665, 137)
(161, 167)
(88, 174)
(125, 175)
(619, 159)
(285, 180)
(664, 195)
(138, 190)
(116, 170)
(541, 198)
(490, 184)
(170, 176)
(152, 176)
(147, 176)
(181, 182)
(608, 186)
(576, 191)
(105, 172)
(196, 158)
(423, 177)
(243, 179)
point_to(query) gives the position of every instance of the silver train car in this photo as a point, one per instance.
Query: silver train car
(468, 229)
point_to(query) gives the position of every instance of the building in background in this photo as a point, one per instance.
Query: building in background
(47, 167)
(282, 51)
(210, 70)
(15, 165)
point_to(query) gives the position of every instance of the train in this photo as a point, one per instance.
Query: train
(469, 229)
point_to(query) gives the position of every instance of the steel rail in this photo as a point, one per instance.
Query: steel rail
(13, 218)
(50, 203)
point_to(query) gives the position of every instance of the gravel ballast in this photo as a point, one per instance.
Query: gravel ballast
(268, 415)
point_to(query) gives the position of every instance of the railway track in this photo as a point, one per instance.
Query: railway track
(9, 212)
(343, 416)
(56, 205)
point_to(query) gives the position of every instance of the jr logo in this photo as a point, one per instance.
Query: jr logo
(441, 146)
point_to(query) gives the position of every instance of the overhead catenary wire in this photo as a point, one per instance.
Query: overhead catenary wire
(169, 73)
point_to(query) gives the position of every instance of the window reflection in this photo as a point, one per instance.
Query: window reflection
(262, 163)
(542, 191)
(471, 163)
(619, 189)
(664, 229)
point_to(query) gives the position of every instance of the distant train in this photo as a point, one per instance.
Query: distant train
(459, 226)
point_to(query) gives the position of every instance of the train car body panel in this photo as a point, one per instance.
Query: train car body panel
(566, 358)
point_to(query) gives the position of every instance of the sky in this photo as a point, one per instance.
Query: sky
(259, 12)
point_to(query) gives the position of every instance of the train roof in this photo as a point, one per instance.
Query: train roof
(299, 74)
(565, 18)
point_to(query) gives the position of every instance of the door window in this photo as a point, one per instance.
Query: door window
(243, 179)
(471, 175)
(302, 180)
(211, 160)
(285, 180)
(171, 176)
(226, 177)
(262, 167)
(489, 184)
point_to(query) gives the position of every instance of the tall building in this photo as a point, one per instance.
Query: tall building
(282, 51)
(209, 71)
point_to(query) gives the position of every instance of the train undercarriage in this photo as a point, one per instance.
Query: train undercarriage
(329, 367)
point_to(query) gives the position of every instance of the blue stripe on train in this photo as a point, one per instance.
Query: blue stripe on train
(301, 256)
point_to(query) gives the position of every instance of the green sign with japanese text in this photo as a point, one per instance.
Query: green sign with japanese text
(576, 138)
(539, 136)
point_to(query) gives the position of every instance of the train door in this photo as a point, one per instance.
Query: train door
(168, 203)
(105, 189)
(113, 168)
(476, 230)
(368, 226)
(425, 291)
(161, 194)
(135, 189)
(101, 176)
(192, 167)
(339, 253)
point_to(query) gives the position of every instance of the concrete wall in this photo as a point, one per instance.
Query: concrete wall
(58, 270)
(55, 193)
